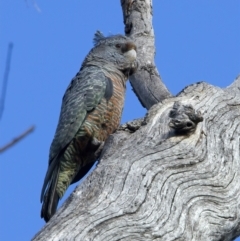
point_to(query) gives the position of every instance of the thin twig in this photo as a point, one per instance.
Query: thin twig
(17, 139)
(5, 78)
(35, 5)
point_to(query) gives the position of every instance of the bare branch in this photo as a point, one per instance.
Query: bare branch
(146, 82)
(5, 78)
(154, 183)
(17, 139)
(35, 5)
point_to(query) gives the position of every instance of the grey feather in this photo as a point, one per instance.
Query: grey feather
(98, 36)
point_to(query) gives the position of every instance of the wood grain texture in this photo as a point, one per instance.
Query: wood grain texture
(154, 185)
(146, 82)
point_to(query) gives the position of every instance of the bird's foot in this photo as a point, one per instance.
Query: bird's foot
(98, 146)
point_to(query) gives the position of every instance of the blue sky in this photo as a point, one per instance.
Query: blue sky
(195, 41)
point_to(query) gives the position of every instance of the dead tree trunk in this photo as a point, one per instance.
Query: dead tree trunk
(173, 175)
(155, 184)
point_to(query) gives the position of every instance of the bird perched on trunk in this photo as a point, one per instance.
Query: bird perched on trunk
(91, 111)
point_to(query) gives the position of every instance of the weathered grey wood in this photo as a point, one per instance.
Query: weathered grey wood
(155, 184)
(146, 82)
(152, 184)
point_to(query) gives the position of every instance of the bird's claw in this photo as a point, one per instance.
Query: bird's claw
(98, 145)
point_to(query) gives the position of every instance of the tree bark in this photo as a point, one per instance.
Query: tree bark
(155, 184)
(146, 82)
(173, 175)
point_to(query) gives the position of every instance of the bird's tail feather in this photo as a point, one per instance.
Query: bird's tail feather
(51, 197)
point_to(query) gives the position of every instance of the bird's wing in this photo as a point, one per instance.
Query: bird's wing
(83, 94)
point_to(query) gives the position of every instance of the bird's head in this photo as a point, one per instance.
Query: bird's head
(117, 51)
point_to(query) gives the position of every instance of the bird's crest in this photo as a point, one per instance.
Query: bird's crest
(98, 36)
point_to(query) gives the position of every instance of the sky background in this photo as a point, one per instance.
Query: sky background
(195, 41)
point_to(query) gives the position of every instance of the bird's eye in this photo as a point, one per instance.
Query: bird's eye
(118, 46)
